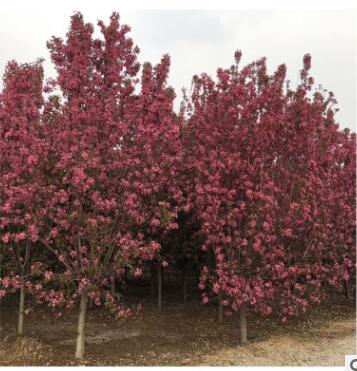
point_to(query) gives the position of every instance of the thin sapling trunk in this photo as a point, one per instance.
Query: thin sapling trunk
(23, 264)
(20, 327)
(243, 325)
(347, 290)
(152, 280)
(185, 282)
(159, 286)
(112, 285)
(81, 325)
(220, 306)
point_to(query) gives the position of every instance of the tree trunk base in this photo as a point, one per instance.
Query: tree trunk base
(152, 280)
(347, 290)
(220, 307)
(185, 283)
(81, 324)
(243, 325)
(20, 327)
(159, 286)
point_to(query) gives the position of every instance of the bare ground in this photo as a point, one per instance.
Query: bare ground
(326, 346)
(182, 334)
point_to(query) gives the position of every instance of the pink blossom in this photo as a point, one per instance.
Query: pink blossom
(205, 300)
(6, 237)
(48, 275)
(266, 226)
(138, 272)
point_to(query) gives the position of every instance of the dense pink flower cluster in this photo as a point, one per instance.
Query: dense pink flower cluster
(273, 184)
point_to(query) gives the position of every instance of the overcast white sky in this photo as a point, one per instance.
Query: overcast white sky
(201, 40)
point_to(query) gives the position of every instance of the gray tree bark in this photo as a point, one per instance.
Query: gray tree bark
(159, 286)
(346, 289)
(23, 265)
(152, 280)
(81, 325)
(243, 325)
(220, 306)
(185, 282)
(20, 327)
(112, 285)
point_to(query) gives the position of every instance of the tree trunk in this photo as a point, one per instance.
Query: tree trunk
(159, 286)
(81, 324)
(185, 282)
(347, 290)
(20, 328)
(220, 306)
(152, 280)
(112, 285)
(243, 325)
(23, 265)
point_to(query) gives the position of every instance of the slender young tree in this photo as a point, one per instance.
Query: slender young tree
(109, 160)
(258, 152)
(152, 151)
(86, 127)
(21, 149)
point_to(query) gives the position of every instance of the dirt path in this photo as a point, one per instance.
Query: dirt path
(181, 334)
(326, 347)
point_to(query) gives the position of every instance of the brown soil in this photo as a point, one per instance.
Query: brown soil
(182, 334)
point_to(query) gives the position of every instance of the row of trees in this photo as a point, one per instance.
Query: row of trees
(252, 180)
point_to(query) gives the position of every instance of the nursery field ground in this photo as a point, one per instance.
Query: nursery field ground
(182, 334)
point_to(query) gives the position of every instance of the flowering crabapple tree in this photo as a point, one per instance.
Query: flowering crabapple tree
(257, 150)
(151, 151)
(106, 149)
(21, 187)
(340, 257)
(221, 150)
(312, 169)
(83, 131)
